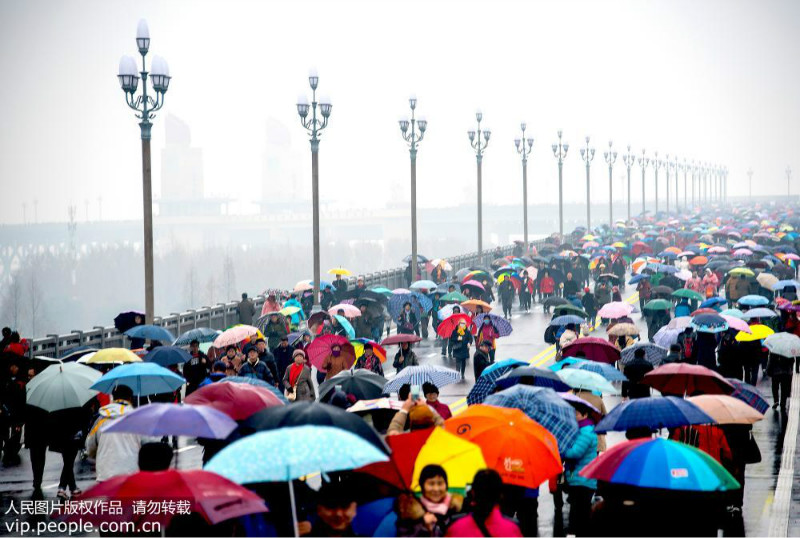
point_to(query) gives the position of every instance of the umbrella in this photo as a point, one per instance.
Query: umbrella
(600, 368)
(453, 297)
(566, 320)
(237, 400)
(521, 450)
(660, 463)
(657, 304)
(554, 301)
(760, 312)
(201, 334)
(473, 304)
(783, 344)
(358, 347)
(666, 336)
(530, 375)
(113, 355)
(144, 378)
(636, 278)
(214, 497)
(615, 310)
(126, 320)
(150, 332)
(361, 383)
(623, 329)
(593, 349)
(317, 318)
(485, 384)
(741, 271)
(753, 300)
(420, 304)
(713, 302)
(685, 293)
(418, 375)
(737, 324)
(726, 409)
(545, 407)
(653, 413)
(339, 271)
(320, 349)
(653, 353)
(732, 312)
(681, 378)
(400, 338)
(565, 309)
(449, 324)
(475, 288)
(350, 311)
(61, 386)
(502, 325)
(159, 419)
(420, 259)
(168, 356)
(767, 280)
(235, 335)
(424, 285)
(77, 352)
(256, 382)
(757, 332)
(749, 395)
(662, 290)
(586, 380)
(348, 327)
(709, 323)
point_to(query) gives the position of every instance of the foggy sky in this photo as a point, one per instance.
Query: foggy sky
(709, 80)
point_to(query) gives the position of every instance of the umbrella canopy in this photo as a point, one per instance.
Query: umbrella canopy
(737, 324)
(420, 304)
(530, 375)
(615, 310)
(653, 353)
(767, 280)
(201, 334)
(424, 285)
(660, 463)
(379, 350)
(350, 311)
(757, 332)
(713, 302)
(783, 344)
(143, 378)
(449, 324)
(62, 386)
(759, 312)
(320, 349)
(657, 304)
(257, 383)
(593, 349)
(545, 407)
(453, 297)
(485, 384)
(685, 293)
(361, 383)
(681, 322)
(502, 325)
(473, 304)
(665, 337)
(339, 271)
(212, 496)
(586, 380)
(521, 450)
(237, 400)
(709, 323)
(726, 409)
(151, 332)
(235, 335)
(168, 356)
(753, 300)
(653, 413)
(780, 285)
(159, 419)
(348, 327)
(569, 309)
(682, 378)
(113, 355)
(623, 329)
(606, 370)
(420, 259)
(418, 375)
(561, 321)
(126, 320)
(397, 339)
(313, 448)
(749, 395)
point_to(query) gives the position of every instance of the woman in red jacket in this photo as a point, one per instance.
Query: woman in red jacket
(547, 286)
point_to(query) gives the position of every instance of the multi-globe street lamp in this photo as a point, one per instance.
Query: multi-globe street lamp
(628, 160)
(788, 181)
(587, 155)
(560, 152)
(145, 106)
(643, 162)
(676, 167)
(667, 165)
(685, 169)
(750, 182)
(524, 147)
(657, 163)
(479, 145)
(314, 126)
(611, 157)
(413, 137)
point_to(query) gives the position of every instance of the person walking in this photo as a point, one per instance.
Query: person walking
(487, 332)
(580, 490)
(635, 370)
(369, 361)
(433, 511)
(405, 356)
(246, 310)
(506, 292)
(407, 320)
(297, 379)
(114, 453)
(484, 517)
(461, 340)
(482, 358)
(254, 367)
(779, 369)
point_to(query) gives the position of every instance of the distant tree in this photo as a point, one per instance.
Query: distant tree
(228, 278)
(190, 285)
(12, 301)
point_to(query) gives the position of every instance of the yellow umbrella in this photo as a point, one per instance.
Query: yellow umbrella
(619, 244)
(461, 459)
(759, 332)
(113, 355)
(741, 271)
(289, 310)
(339, 271)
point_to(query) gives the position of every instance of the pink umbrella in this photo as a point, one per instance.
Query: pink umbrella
(738, 324)
(792, 256)
(681, 322)
(743, 252)
(400, 291)
(615, 310)
(718, 250)
(474, 283)
(590, 244)
(234, 335)
(320, 349)
(350, 311)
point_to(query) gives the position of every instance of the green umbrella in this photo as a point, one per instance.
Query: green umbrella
(563, 309)
(453, 297)
(62, 386)
(685, 293)
(383, 291)
(658, 304)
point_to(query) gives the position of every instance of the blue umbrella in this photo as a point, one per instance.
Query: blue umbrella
(709, 323)
(256, 382)
(418, 375)
(749, 395)
(565, 363)
(501, 324)
(759, 313)
(653, 353)
(566, 320)
(419, 303)
(144, 378)
(505, 363)
(530, 375)
(601, 368)
(168, 356)
(654, 413)
(545, 407)
(348, 328)
(713, 302)
(376, 518)
(753, 300)
(151, 332)
(201, 334)
(159, 419)
(734, 312)
(485, 385)
(423, 285)
(781, 284)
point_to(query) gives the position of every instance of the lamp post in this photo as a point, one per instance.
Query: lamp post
(750, 182)
(587, 154)
(643, 162)
(666, 163)
(694, 181)
(725, 184)
(145, 107)
(479, 145)
(657, 163)
(788, 182)
(685, 168)
(413, 138)
(560, 152)
(611, 157)
(676, 167)
(628, 160)
(524, 147)
(314, 126)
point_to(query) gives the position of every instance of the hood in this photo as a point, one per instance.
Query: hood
(115, 409)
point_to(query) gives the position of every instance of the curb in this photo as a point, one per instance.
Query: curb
(779, 515)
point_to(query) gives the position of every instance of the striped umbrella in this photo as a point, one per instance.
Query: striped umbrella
(653, 353)
(419, 303)
(566, 320)
(501, 324)
(418, 375)
(530, 375)
(665, 337)
(485, 384)
(545, 407)
(749, 395)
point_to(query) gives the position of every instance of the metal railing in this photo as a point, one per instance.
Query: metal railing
(220, 316)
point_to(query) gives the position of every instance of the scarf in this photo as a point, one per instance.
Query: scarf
(461, 330)
(439, 508)
(294, 372)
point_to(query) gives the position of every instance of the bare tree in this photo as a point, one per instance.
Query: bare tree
(190, 284)
(12, 300)
(228, 277)
(211, 287)
(34, 291)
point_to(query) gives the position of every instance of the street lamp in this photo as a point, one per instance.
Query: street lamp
(750, 182)
(587, 154)
(413, 138)
(479, 145)
(628, 160)
(524, 147)
(560, 152)
(643, 162)
(676, 167)
(610, 157)
(788, 182)
(685, 185)
(694, 182)
(314, 126)
(145, 107)
(657, 163)
(666, 169)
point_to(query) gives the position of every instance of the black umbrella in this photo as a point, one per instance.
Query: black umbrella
(420, 259)
(530, 375)
(127, 320)
(555, 301)
(370, 295)
(317, 318)
(662, 290)
(362, 384)
(311, 413)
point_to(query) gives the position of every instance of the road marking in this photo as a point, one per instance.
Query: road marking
(779, 517)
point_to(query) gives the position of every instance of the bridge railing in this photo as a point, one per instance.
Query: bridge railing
(221, 315)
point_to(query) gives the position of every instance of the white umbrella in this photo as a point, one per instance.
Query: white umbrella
(62, 386)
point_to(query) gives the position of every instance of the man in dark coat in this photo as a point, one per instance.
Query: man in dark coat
(246, 310)
(779, 368)
(282, 356)
(254, 367)
(705, 350)
(196, 369)
(363, 324)
(570, 286)
(481, 359)
(635, 370)
(506, 291)
(340, 284)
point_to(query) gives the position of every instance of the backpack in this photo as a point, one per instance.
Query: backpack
(688, 347)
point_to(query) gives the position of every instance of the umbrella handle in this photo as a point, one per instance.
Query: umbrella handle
(294, 508)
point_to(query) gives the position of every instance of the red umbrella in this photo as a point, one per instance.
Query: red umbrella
(594, 349)
(449, 324)
(475, 284)
(400, 338)
(682, 378)
(212, 496)
(320, 349)
(237, 400)
(317, 319)
(704, 311)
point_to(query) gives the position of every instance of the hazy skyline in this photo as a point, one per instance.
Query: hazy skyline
(709, 80)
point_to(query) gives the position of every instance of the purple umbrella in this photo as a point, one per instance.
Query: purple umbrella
(159, 419)
(501, 324)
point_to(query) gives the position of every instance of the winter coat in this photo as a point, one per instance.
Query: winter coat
(196, 369)
(506, 291)
(333, 365)
(259, 370)
(246, 310)
(363, 326)
(273, 331)
(705, 351)
(114, 453)
(480, 361)
(304, 387)
(460, 344)
(635, 371)
(644, 289)
(570, 288)
(410, 513)
(408, 359)
(497, 525)
(567, 337)
(578, 455)
(283, 358)
(375, 367)
(547, 285)
(400, 419)
(406, 322)
(779, 365)
(729, 358)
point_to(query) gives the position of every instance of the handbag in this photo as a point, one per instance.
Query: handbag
(751, 452)
(290, 395)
